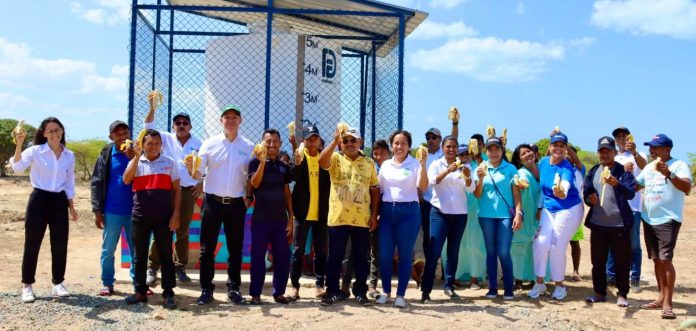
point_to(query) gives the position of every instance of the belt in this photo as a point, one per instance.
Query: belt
(397, 203)
(223, 200)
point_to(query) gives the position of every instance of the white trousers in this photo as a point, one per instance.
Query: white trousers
(552, 238)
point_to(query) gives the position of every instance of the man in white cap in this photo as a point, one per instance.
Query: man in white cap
(353, 209)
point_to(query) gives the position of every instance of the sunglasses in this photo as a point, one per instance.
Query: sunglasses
(181, 123)
(431, 137)
(351, 141)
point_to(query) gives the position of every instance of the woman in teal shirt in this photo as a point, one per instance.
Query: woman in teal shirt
(524, 159)
(500, 213)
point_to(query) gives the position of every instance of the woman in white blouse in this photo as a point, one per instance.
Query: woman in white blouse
(451, 180)
(400, 178)
(52, 175)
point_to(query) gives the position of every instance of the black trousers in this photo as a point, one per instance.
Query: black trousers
(319, 238)
(214, 215)
(618, 240)
(141, 231)
(45, 209)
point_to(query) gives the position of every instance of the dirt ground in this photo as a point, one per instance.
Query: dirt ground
(84, 310)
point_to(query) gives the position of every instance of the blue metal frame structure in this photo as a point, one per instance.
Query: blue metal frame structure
(368, 63)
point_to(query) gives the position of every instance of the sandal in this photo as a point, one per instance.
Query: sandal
(595, 299)
(668, 314)
(106, 291)
(651, 306)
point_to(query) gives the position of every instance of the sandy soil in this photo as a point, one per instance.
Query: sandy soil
(86, 311)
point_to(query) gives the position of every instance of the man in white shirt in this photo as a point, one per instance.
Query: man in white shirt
(177, 145)
(224, 159)
(633, 161)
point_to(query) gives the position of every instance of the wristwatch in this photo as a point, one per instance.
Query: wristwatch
(521, 213)
(672, 175)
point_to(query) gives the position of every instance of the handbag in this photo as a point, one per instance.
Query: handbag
(511, 210)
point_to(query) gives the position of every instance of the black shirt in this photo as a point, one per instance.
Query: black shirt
(269, 197)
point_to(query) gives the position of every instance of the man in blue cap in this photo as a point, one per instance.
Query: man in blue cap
(177, 145)
(667, 181)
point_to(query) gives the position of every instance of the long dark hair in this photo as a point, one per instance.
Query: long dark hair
(516, 155)
(401, 132)
(39, 138)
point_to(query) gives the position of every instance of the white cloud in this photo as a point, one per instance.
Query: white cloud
(674, 18)
(19, 68)
(520, 8)
(447, 4)
(433, 30)
(495, 60)
(100, 12)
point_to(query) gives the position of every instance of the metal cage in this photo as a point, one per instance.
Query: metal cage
(178, 45)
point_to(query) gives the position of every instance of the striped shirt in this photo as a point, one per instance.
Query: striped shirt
(152, 186)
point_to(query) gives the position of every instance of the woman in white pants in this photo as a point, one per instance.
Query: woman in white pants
(560, 217)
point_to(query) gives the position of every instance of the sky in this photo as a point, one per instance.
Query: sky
(528, 66)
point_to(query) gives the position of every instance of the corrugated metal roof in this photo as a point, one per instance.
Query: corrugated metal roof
(384, 28)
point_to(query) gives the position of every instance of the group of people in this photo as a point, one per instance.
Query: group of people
(366, 210)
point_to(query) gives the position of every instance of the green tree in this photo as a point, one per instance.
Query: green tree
(86, 153)
(588, 158)
(692, 164)
(7, 147)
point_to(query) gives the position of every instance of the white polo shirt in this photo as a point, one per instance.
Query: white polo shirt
(225, 165)
(637, 202)
(174, 149)
(399, 182)
(48, 173)
(450, 194)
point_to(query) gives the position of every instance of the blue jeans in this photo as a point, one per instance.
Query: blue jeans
(636, 251)
(443, 227)
(398, 228)
(111, 234)
(360, 249)
(497, 234)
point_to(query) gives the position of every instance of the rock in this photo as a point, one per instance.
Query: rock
(158, 317)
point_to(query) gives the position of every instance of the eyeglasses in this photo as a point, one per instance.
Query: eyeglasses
(431, 137)
(181, 123)
(351, 141)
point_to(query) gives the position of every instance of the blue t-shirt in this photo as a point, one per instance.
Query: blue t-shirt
(269, 196)
(491, 205)
(662, 201)
(119, 196)
(547, 172)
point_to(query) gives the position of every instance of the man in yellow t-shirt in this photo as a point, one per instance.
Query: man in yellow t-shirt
(353, 209)
(310, 202)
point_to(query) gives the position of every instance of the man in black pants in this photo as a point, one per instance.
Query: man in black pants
(310, 201)
(608, 189)
(225, 159)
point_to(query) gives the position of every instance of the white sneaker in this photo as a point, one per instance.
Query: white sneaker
(400, 302)
(383, 299)
(559, 293)
(537, 290)
(28, 294)
(60, 291)
(151, 278)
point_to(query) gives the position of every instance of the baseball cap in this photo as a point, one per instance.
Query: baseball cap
(463, 149)
(181, 114)
(619, 130)
(559, 136)
(116, 124)
(606, 142)
(309, 130)
(660, 140)
(353, 132)
(434, 131)
(494, 141)
(230, 107)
